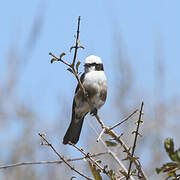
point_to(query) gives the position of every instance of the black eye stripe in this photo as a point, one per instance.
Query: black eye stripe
(91, 64)
(98, 67)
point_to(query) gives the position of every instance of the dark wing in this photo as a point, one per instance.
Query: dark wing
(77, 88)
(81, 79)
(103, 94)
(74, 130)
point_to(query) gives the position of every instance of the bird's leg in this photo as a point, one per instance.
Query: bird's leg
(86, 95)
(93, 112)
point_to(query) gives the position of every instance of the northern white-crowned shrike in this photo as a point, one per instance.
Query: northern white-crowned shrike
(95, 83)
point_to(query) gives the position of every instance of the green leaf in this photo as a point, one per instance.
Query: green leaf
(52, 60)
(167, 168)
(77, 65)
(61, 55)
(95, 171)
(169, 145)
(70, 70)
(170, 168)
(73, 177)
(176, 155)
(111, 143)
(133, 172)
(158, 170)
(82, 47)
(71, 48)
(112, 174)
(99, 161)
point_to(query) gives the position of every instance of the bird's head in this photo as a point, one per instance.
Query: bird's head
(93, 63)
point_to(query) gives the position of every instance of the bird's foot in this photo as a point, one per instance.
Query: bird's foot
(93, 112)
(86, 96)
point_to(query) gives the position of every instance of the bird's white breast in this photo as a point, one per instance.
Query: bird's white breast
(95, 77)
(96, 80)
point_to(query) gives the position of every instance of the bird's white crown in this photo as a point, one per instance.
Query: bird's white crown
(93, 59)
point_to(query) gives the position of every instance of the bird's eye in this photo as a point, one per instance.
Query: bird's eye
(93, 64)
(87, 65)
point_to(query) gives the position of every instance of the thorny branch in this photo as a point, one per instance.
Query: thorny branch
(49, 162)
(71, 66)
(77, 40)
(135, 139)
(62, 158)
(124, 171)
(124, 146)
(88, 156)
(124, 120)
(105, 129)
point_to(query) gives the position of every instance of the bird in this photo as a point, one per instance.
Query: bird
(94, 82)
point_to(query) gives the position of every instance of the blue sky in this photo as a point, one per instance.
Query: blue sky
(142, 26)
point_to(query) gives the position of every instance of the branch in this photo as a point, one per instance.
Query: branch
(124, 120)
(124, 171)
(71, 66)
(61, 157)
(77, 40)
(87, 155)
(55, 58)
(135, 139)
(48, 162)
(126, 149)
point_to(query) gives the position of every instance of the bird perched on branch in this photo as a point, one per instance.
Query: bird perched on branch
(95, 83)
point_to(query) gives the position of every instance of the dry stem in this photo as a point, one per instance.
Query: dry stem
(135, 140)
(61, 157)
(91, 159)
(49, 162)
(124, 120)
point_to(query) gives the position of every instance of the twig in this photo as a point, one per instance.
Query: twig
(135, 139)
(77, 39)
(59, 59)
(122, 143)
(48, 162)
(72, 66)
(69, 165)
(100, 121)
(126, 149)
(112, 154)
(99, 137)
(124, 120)
(91, 159)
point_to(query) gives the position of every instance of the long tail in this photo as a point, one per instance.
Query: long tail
(73, 132)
